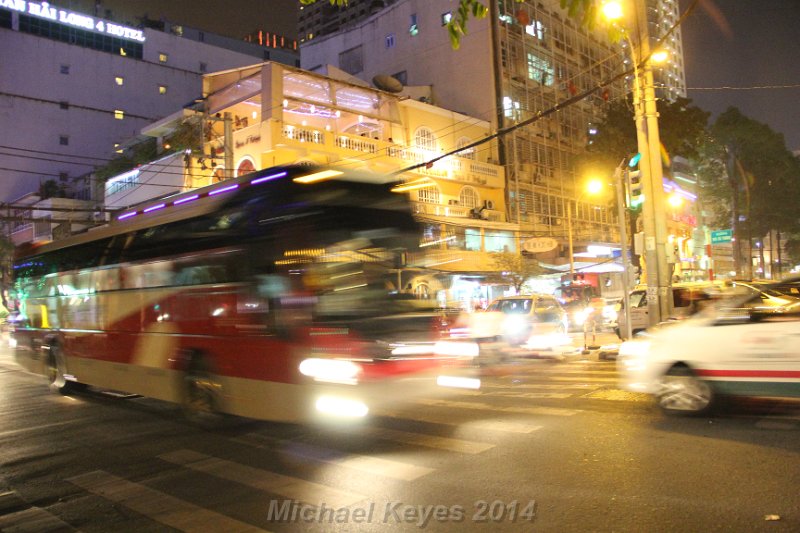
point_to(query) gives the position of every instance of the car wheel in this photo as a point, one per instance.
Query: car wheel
(681, 392)
(56, 370)
(201, 393)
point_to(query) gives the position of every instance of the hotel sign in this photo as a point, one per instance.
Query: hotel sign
(71, 18)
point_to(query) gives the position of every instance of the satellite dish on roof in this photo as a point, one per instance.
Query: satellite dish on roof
(387, 83)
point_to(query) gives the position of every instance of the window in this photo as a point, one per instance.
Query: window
(468, 197)
(162, 89)
(119, 114)
(389, 41)
(119, 80)
(446, 18)
(510, 108)
(425, 139)
(540, 70)
(468, 153)
(63, 140)
(428, 195)
(162, 57)
(413, 29)
(352, 60)
(499, 241)
(63, 105)
(64, 69)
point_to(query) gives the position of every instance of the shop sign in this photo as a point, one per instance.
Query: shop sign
(537, 245)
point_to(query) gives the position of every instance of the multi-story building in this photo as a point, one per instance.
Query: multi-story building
(269, 114)
(322, 17)
(520, 61)
(73, 86)
(669, 76)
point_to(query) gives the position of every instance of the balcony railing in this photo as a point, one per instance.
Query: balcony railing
(454, 168)
(455, 211)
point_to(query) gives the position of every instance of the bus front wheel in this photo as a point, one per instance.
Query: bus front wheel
(56, 372)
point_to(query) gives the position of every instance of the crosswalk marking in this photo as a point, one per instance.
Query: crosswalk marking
(33, 519)
(542, 386)
(590, 379)
(512, 394)
(533, 410)
(371, 465)
(508, 426)
(290, 487)
(159, 506)
(427, 441)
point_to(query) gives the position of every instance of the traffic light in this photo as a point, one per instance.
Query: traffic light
(634, 182)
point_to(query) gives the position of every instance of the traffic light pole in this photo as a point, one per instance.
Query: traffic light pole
(653, 208)
(619, 185)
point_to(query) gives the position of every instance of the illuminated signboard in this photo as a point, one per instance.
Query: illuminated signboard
(71, 18)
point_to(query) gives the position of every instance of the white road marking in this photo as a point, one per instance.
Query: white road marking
(158, 505)
(33, 519)
(290, 487)
(363, 463)
(533, 410)
(508, 426)
(427, 441)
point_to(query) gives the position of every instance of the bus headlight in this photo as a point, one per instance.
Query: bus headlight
(330, 370)
(341, 407)
(457, 349)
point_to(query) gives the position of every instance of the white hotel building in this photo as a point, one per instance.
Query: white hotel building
(73, 87)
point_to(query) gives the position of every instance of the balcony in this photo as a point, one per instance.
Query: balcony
(454, 168)
(454, 211)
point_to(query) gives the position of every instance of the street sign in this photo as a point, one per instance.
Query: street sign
(537, 245)
(720, 236)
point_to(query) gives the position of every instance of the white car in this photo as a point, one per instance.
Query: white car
(733, 348)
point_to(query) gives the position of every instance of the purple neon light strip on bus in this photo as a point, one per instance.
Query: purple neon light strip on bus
(267, 178)
(186, 200)
(222, 190)
(154, 208)
(128, 215)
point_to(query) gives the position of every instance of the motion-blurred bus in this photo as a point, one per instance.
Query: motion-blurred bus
(270, 296)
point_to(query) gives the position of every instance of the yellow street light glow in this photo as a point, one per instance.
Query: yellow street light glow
(675, 200)
(659, 56)
(318, 176)
(594, 186)
(612, 10)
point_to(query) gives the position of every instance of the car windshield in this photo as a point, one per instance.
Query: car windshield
(512, 307)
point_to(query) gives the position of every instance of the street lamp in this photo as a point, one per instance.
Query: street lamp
(593, 186)
(653, 209)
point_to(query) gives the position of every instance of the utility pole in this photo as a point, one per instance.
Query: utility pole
(653, 208)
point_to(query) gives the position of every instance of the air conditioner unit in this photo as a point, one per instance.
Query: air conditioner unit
(488, 204)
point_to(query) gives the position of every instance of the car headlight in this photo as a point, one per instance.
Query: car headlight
(514, 325)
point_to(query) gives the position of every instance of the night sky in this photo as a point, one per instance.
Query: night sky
(733, 43)
(746, 43)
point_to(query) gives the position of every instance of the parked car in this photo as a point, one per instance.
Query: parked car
(685, 302)
(736, 347)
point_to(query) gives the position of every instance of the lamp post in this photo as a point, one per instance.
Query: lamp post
(592, 187)
(653, 208)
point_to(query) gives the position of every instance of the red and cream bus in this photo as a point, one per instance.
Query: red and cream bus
(269, 296)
